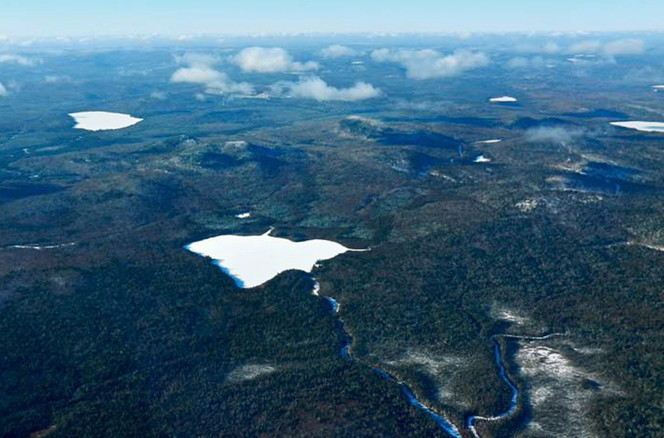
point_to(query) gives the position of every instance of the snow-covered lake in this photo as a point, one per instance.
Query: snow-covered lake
(492, 141)
(103, 121)
(482, 159)
(503, 99)
(641, 126)
(254, 260)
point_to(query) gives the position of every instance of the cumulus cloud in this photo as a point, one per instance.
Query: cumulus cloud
(55, 79)
(338, 51)
(3, 90)
(429, 64)
(423, 105)
(315, 88)
(628, 46)
(197, 75)
(589, 46)
(553, 134)
(645, 75)
(270, 60)
(224, 85)
(523, 62)
(192, 58)
(199, 69)
(548, 47)
(10, 58)
(158, 95)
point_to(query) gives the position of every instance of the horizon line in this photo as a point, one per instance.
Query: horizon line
(4, 38)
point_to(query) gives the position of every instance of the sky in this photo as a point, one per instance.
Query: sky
(178, 17)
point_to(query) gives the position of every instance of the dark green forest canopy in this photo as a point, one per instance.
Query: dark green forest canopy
(111, 328)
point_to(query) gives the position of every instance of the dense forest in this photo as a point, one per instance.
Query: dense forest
(112, 329)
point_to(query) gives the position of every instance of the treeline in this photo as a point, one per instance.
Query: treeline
(145, 348)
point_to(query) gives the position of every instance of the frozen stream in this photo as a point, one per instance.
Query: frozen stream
(254, 260)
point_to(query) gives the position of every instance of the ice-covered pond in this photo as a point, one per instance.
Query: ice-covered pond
(254, 260)
(503, 99)
(641, 126)
(103, 121)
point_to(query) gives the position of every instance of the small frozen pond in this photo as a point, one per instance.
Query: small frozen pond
(492, 141)
(103, 121)
(254, 260)
(482, 159)
(503, 99)
(641, 126)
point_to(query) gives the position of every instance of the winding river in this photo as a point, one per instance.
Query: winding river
(345, 352)
(502, 373)
(237, 256)
(441, 421)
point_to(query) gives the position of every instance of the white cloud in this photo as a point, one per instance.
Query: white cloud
(548, 47)
(55, 79)
(589, 46)
(628, 46)
(225, 86)
(523, 62)
(518, 62)
(270, 60)
(315, 88)
(197, 75)
(338, 51)
(196, 59)
(200, 70)
(3, 91)
(552, 134)
(158, 95)
(10, 58)
(428, 64)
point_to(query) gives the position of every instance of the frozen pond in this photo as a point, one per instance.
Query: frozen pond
(492, 141)
(103, 121)
(503, 99)
(641, 126)
(254, 260)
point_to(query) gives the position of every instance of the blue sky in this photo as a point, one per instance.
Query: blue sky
(120, 17)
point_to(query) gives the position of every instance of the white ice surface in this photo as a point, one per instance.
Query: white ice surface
(254, 260)
(641, 126)
(492, 141)
(102, 120)
(503, 99)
